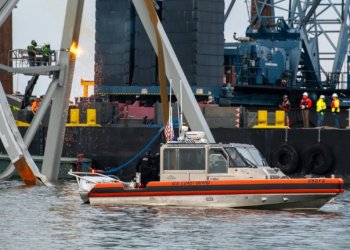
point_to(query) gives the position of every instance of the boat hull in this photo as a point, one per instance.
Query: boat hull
(270, 201)
(259, 194)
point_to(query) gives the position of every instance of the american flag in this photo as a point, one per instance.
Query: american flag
(169, 130)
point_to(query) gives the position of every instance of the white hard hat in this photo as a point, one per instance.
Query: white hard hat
(38, 96)
(334, 95)
(305, 94)
(322, 96)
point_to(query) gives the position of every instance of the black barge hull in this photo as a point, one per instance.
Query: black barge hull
(298, 152)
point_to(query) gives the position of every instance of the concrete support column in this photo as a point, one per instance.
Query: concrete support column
(5, 47)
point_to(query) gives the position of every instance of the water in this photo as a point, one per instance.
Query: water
(55, 218)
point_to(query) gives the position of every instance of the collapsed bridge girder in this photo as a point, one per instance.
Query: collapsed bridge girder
(58, 93)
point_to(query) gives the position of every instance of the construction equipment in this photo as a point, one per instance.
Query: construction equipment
(57, 96)
(281, 50)
(29, 90)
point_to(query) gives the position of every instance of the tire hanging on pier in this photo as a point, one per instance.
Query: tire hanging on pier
(286, 158)
(318, 159)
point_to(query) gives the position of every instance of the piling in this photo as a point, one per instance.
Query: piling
(5, 47)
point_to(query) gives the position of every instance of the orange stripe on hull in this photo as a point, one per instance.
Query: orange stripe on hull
(231, 182)
(216, 192)
(25, 172)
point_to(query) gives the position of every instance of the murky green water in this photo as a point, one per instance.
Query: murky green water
(55, 218)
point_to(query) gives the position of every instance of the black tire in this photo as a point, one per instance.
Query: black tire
(318, 159)
(285, 158)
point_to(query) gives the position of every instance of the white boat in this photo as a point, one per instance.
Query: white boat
(212, 175)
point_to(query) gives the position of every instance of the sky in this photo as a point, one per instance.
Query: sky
(44, 23)
(43, 20)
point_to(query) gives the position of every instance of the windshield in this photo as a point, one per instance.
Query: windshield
(235, 158)
(252, 155)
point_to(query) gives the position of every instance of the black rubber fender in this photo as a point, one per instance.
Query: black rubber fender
(286, 158)
(318, 159)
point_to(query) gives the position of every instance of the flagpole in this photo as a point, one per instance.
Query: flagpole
(170, 121)
(181, 118)
(171, 85)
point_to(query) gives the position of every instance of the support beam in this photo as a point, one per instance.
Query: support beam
(174, 71)
(5, 47)
(6, 8)
(30, 133)
(37, 70)
(60, 103)
(15, 146)
(343, 41)
(311, 12)
(228, 11)
(311, 56)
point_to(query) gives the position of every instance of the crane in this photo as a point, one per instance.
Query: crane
(313, 36)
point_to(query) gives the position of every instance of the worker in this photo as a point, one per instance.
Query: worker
(320, 110)
(227, 89)
(36, 104)
(32, 50)
(144, 169)
(283, 83)
(77, 165)
(285, 105)
(211, 99)
(46, 53)
(305, 105)
(335, 106)
(80, 165)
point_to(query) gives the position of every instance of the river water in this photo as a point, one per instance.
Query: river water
(55, 218)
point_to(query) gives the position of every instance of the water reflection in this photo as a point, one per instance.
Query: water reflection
(55, 218)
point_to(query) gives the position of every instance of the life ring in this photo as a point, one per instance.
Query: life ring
(285, 158)
(318, 159)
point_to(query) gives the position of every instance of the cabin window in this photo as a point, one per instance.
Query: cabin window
(236, 160)
(170, 161)
(217, 161)
(184, 159)
(253, 155)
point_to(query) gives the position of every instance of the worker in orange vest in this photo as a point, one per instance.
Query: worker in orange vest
(285, 105)
(35, 104)
(335, 106)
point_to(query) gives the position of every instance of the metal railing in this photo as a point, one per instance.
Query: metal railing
(19, 58)
(243, 74)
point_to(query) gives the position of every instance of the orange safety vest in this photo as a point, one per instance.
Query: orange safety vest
(35, 106)
(335, 105)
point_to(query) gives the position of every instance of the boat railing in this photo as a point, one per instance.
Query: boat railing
(85, 176)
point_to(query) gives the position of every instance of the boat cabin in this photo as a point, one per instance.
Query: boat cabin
(180, 161)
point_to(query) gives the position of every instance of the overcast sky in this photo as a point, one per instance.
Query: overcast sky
(42, 20)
